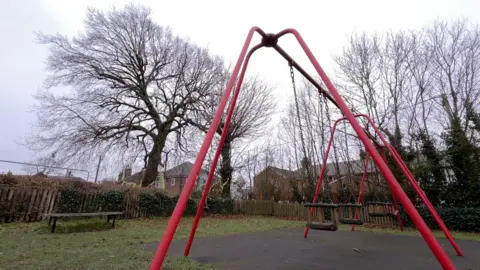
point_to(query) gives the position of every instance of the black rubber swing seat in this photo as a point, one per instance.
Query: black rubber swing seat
(350, 205)
(351, 221)
(382, 214)
(378, 203)
(322, 226)
(321, 205)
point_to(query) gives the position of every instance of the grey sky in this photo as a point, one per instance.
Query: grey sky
(220, 25)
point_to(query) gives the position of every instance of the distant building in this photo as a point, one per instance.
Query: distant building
(278, 184)
(175, 178)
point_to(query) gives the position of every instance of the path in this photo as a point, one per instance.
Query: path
(287, 249)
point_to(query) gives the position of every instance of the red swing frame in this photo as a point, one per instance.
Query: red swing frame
(271, 40)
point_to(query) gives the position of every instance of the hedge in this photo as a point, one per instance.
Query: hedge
(107, 200)
(219, 206)
(158, 203)
(455, 218)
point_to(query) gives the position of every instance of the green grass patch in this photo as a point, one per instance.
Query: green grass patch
(32, 246)
(92, 244)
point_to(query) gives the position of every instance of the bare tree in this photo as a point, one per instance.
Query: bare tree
(360, 73)
(255, 106)
(45, 164)
(456, 57)
(132, 83)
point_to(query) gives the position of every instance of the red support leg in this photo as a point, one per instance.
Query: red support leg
(399, 218)
(436, 248)
(219, 150)
(364, 176)
(322, 171)
(415, 185)
(395, 204)
(425, 199)
(187, 190)
(408, 174)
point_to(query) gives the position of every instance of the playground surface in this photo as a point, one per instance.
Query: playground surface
(287, 249)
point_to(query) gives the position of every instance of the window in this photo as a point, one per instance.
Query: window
(172, 182)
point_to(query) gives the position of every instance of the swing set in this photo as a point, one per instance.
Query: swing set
(368, 141)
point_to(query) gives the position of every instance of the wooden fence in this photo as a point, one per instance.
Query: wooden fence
(298, 211)
(27, 204)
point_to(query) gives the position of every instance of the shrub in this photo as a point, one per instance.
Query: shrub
(455, 218)
(111, 200)
(70, 200)
(217, 206)
(157, 203)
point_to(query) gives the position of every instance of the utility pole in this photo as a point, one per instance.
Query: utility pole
(98, 168)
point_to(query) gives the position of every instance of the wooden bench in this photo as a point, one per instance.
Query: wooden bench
(54, 216)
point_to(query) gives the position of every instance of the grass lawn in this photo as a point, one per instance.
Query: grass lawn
(32, 246)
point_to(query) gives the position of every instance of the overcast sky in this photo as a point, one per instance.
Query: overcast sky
(220, 25)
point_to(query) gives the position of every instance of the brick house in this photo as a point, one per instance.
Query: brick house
(175, 178)
(276, 184)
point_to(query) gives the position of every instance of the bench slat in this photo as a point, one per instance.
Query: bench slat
(84, 214)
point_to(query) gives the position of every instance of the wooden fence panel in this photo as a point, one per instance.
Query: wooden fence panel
(298, 211)
(27, 204)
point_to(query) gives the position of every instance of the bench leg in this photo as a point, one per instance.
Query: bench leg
(113, 221)
(49, 221)
(108, 219)
(54, 224)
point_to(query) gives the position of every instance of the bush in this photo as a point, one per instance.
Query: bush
(455, 218)
(111, 200)
(70, 200)
(216, 206)
(157, 203)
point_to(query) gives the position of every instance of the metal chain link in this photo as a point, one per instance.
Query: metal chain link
(292, 75)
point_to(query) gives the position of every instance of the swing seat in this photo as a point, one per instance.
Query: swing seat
(350, 205)
(378, 214)
(352, 221)
(321, 205)
(322, 226)
(378, 203)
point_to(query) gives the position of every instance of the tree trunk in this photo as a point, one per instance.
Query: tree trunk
(226, 168)
(154, 158)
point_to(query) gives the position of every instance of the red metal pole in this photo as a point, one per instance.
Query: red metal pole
(395, 205)
(364, 176)
(416, 186)
(185, 194)
(219, 150)
(425, 200)
(436, 248)
(322, 171)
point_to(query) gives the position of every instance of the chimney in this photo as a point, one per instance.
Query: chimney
(128, 171)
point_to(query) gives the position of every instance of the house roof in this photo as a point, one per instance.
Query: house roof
(354, 167)
(286, 173)
(182, 170)
(346, 167)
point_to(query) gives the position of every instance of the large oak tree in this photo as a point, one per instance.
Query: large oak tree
(129, 84)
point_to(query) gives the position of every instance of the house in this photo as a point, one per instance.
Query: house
(175, 178)
(274, 183)
(277, 184)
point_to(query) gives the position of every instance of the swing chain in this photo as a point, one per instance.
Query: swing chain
(292, 75)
